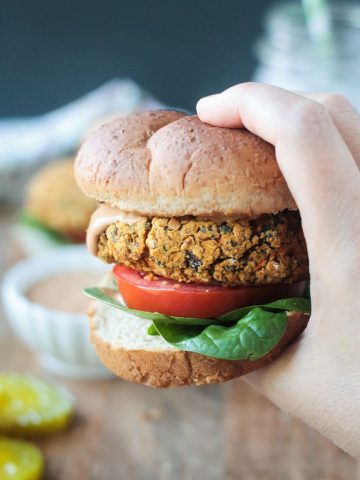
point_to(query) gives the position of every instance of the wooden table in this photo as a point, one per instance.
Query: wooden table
(126, 431)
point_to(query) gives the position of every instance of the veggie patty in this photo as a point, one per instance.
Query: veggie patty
(263, 251)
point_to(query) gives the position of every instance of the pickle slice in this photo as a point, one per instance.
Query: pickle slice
(30, 406)
(20, 460)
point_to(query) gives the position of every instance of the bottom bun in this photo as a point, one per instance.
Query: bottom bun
(123, 345)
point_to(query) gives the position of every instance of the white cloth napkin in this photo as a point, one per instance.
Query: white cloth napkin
(27, 143)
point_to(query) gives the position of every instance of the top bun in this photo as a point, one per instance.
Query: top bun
(165, 163)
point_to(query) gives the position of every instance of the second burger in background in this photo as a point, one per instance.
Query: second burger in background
(55, 211)
(201, 227)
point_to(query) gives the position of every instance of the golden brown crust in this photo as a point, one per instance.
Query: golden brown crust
(176, 368)
(166, 164)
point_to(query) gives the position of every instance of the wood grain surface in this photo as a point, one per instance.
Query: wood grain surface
(124, 431)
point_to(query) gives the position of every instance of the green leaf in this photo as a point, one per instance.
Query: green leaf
(102, 295)
(152, 330)
(252, 337)
(31, 222)
(297, 304)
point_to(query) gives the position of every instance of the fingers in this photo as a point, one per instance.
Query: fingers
(314, 159)
(345, 117)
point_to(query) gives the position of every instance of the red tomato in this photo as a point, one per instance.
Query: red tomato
(192, 300)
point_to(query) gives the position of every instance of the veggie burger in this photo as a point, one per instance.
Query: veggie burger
(210, 261)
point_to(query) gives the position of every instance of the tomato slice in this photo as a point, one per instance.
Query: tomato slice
(192, 300)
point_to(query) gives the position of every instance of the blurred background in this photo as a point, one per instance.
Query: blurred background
(84, 61)
(54, 52)
(65, 67)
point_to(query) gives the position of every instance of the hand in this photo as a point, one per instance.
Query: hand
(317, 142)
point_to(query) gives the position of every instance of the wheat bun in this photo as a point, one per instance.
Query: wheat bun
(124, 347)
(165, 163)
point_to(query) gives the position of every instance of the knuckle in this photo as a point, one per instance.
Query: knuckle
(307, 114)
(247, 86)
(337, 103)
(250, 85)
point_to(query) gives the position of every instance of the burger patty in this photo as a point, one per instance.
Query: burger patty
(263, 251)
(55, 200)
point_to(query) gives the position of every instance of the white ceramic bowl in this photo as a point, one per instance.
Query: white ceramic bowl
(61, 339)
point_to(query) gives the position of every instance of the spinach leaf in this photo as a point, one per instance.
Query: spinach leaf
(103, 295)
(152, 330)
(31, 222)
(252, 337)
(297, 304)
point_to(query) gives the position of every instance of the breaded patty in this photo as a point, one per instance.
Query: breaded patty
(56, 201)
(267, 250)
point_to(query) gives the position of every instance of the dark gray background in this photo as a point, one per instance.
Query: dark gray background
(52, 51)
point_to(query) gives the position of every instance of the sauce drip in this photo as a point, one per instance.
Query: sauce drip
(102, 218)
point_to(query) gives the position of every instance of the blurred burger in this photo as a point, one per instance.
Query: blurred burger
(210, 258)
(55, 210)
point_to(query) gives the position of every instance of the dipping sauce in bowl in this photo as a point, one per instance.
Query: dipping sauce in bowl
(63, 292)
(46, 308)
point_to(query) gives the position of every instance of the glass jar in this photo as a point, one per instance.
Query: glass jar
(288, 58)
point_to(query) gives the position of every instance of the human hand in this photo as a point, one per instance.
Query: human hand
(317, 143)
